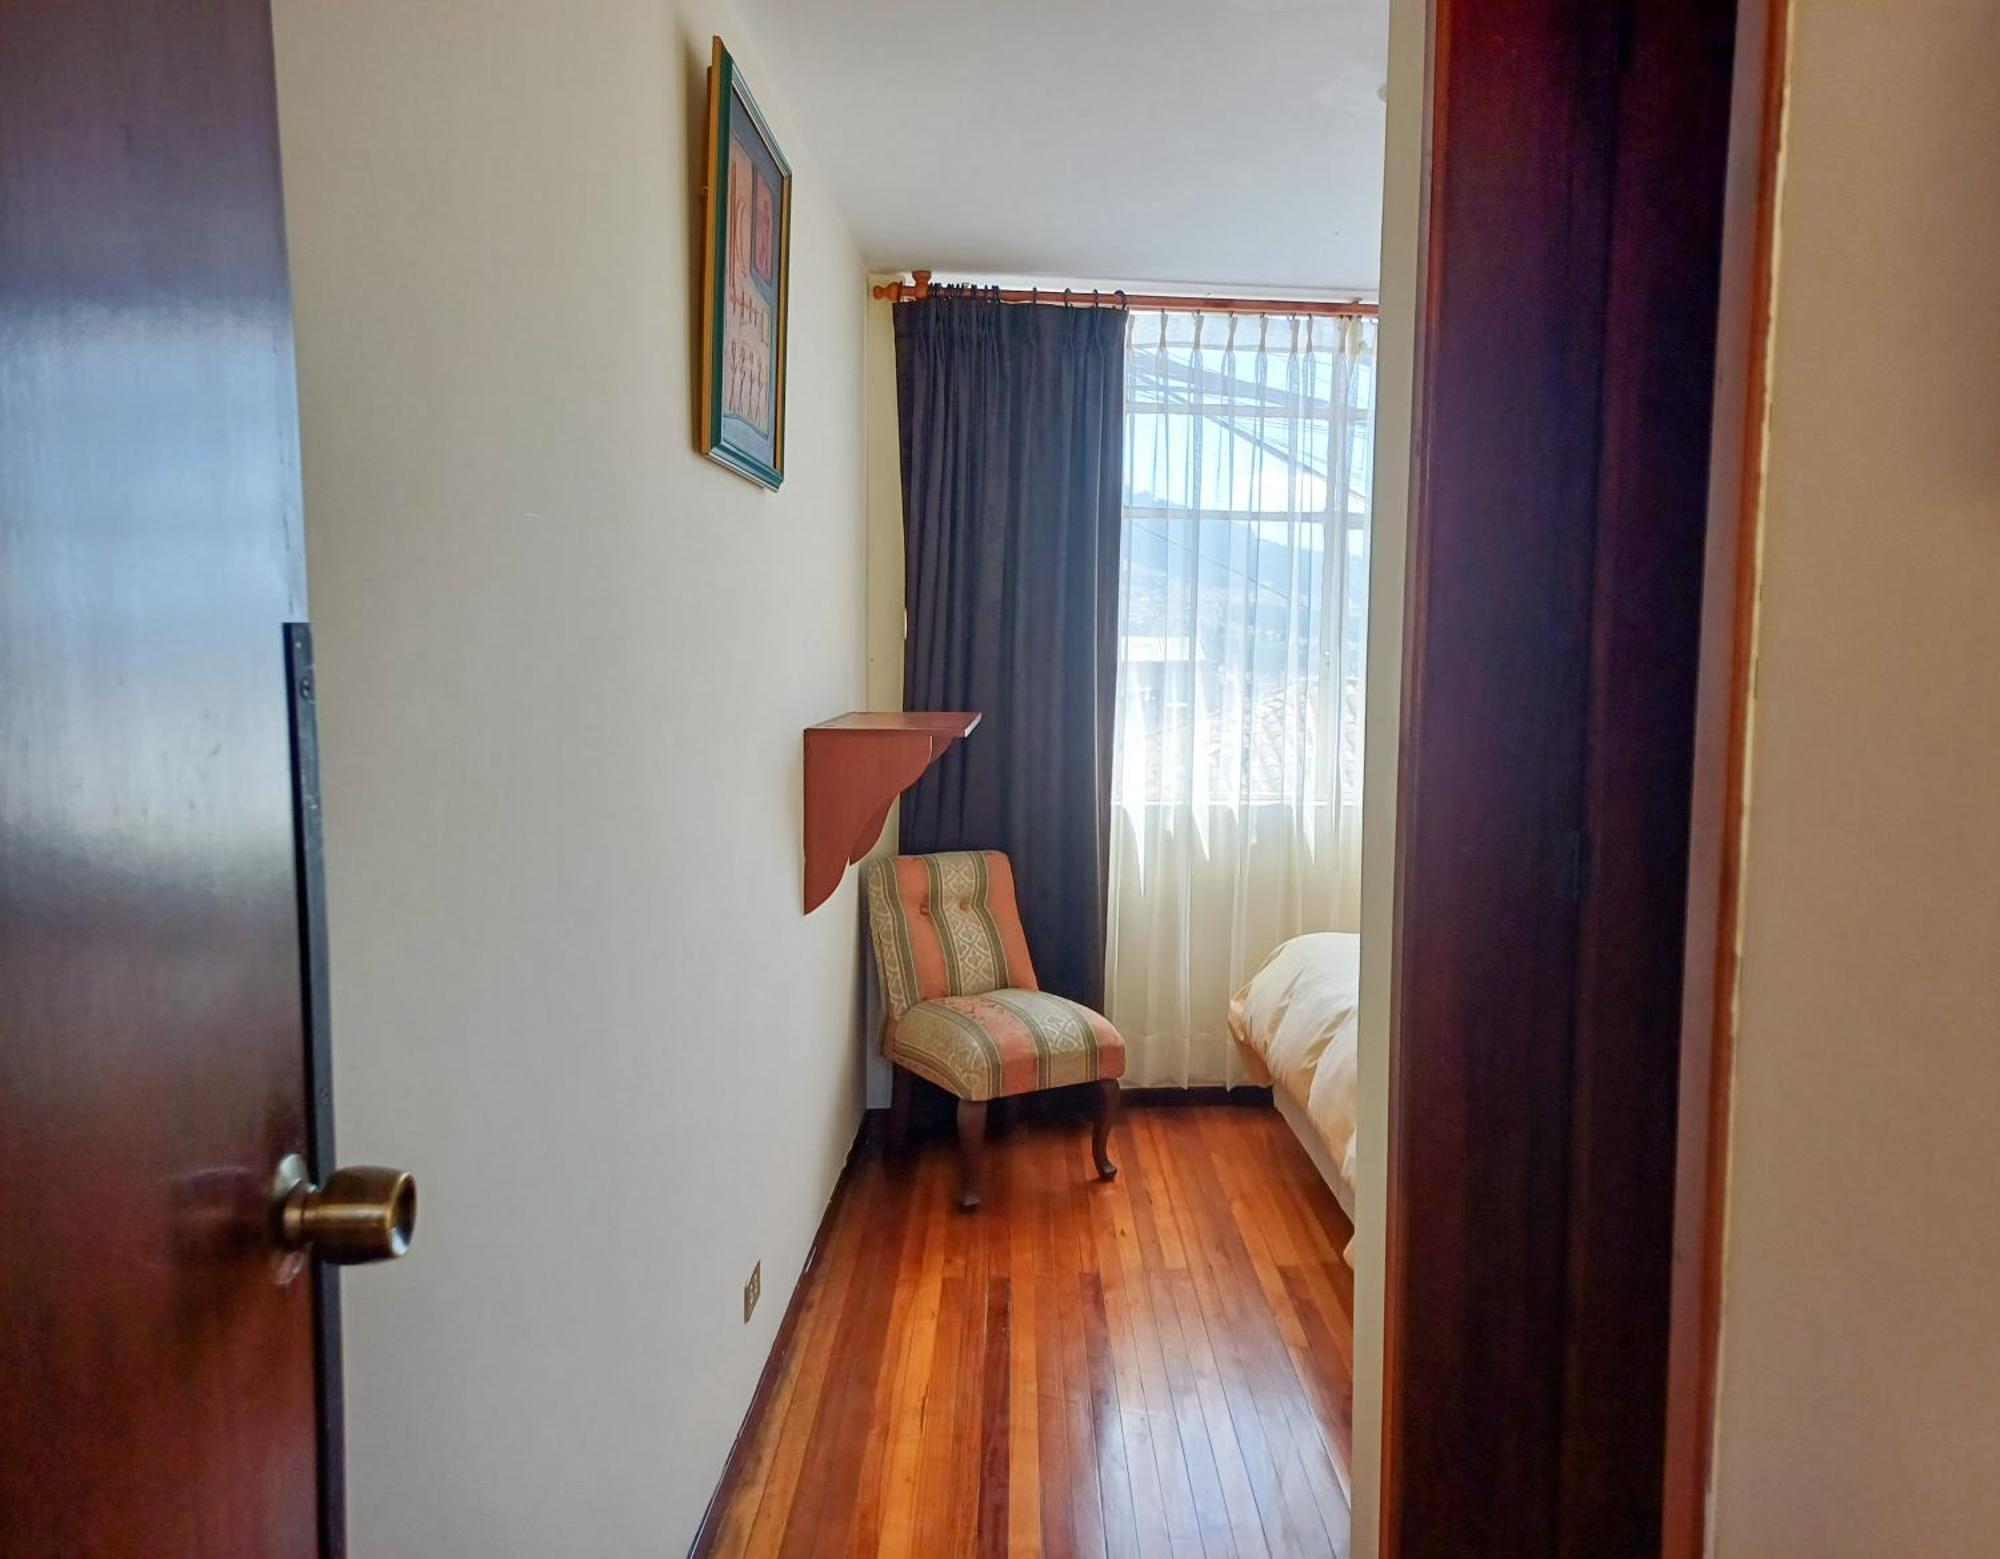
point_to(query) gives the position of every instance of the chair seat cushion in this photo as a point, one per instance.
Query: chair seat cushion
(1006, 1042)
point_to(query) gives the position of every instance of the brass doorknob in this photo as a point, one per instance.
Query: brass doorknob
(362, 1213)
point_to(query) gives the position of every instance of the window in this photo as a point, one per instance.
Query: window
(1243, 602)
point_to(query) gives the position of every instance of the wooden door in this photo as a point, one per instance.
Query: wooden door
(1577, 166)
(156, 1376)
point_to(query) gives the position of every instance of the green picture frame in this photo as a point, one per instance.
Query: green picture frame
(746, 281)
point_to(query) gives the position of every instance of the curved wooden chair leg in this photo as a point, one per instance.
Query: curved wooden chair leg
(1100, 1135)
(900, 1088)
(971, 1150)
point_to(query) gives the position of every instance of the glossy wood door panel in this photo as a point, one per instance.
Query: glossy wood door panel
(1490, 812)
(1656, 413)
(156, 1382)
(1565, 357)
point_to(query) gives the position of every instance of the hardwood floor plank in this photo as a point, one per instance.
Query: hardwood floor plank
(1022, 1473)
(1197, 1448)
(1182, 1167)
(1101, 1518)
(1318, 1408)
(791, 1430)
(824, 1499)
(995, 1424)
(1162, 1424)
(865, 1522)
(1135, 1425)
(906, 1409)
(1333, 1404)
(1243, 1338)
(1052, 1533)
(1159, 1365)
(1211, 1509)
(1281, 1402)
(936, 1483)
(973, 1234)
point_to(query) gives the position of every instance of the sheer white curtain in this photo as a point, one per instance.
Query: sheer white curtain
(1236, 811)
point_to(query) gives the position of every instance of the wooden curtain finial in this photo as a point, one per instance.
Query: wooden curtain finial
(918, 287)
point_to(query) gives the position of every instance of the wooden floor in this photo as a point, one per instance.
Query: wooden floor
(1160, 1365)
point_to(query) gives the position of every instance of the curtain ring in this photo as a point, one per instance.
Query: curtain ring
(1066, 298)
(1096, 299)
(1124, 302)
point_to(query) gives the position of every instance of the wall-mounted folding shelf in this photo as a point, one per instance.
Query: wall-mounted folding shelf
(856, 766)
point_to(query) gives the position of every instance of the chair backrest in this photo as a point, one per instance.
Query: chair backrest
(945, 925)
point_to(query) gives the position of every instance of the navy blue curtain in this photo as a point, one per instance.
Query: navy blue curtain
(1013, 422)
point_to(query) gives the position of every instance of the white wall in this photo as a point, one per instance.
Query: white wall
(1859, 1408)
(565, 662)
(885, 512)
(885, 588)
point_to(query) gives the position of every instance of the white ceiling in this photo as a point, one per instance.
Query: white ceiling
(1214, 142)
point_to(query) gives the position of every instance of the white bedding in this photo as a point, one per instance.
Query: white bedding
(1295, 1024)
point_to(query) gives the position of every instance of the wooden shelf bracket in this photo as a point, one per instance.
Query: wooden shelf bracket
(856, 766)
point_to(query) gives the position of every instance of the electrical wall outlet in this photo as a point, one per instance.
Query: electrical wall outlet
(753, 1290)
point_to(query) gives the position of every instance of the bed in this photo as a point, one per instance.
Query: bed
(1294, 1022)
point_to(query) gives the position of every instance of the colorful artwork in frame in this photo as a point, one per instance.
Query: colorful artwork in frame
(746, 274)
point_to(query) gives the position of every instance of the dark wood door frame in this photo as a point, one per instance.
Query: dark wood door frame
(1566, 393)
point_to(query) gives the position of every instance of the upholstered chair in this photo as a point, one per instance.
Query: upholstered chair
(961, 1006)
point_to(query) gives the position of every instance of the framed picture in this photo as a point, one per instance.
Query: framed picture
(746, 272)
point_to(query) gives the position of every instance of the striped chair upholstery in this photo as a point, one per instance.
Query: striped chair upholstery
(962, 1007)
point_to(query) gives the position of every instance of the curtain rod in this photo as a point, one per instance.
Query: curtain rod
(1180, 303)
